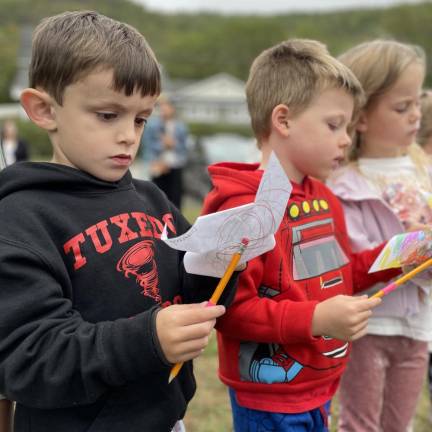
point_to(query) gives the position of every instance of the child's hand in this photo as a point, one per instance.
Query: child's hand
(343, 317)
(183, 330)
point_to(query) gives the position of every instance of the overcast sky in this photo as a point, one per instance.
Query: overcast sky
(262, 6)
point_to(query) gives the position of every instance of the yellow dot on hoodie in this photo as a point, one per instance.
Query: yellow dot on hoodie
(294, 211)
(324, 204)
(306, 207)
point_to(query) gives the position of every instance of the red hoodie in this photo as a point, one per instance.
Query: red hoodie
(267, 353)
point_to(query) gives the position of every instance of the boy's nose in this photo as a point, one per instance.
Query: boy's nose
(127, 134)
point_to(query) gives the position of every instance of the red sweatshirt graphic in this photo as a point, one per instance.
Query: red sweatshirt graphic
(266, 350)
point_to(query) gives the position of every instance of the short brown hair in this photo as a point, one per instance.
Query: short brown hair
(69, 46)
(294, 72)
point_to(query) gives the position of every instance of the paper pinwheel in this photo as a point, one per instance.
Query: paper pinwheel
(214, 238)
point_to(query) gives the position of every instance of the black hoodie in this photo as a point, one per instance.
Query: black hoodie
(82, 272)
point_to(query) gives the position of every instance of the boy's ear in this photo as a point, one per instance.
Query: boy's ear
(39, 106)
(280, 119)
(361, 125)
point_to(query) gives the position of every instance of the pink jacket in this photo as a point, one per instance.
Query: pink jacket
(371, 221)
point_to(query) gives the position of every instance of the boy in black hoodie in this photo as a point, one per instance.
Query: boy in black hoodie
(91, 301)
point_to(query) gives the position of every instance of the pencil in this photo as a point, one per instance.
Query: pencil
(392, 286)
(217, 293)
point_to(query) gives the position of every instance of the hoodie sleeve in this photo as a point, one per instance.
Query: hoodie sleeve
(260, 319)
(51, 357)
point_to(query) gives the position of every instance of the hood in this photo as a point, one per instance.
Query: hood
(33, 176)
(232, 180)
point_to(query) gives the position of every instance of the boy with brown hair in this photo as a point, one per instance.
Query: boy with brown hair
(91, 313)
(284, 343)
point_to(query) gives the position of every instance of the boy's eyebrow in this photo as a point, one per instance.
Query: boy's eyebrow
(117, 106)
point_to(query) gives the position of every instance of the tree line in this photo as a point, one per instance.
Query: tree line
(194, 46)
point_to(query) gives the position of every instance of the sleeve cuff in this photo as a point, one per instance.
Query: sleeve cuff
(155, 338)
(129, 348)
(297, 322)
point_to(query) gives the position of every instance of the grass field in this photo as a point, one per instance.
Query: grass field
(209, 411)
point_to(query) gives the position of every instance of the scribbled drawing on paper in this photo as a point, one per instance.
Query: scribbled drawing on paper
(213, 238)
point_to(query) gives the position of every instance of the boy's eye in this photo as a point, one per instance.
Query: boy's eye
(140, 121)
(106, 116)
(332, 126)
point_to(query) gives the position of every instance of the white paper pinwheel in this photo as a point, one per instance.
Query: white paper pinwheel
(214, 238)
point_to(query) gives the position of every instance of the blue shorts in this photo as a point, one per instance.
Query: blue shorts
(250, 420)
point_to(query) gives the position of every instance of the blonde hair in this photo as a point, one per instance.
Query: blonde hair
(425, 131)
(378, 65)
(71, 45)
(293, 73)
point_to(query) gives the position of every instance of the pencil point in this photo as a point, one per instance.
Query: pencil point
(174, 371)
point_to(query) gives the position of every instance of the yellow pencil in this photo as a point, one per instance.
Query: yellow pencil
(392, 286)
(217, 293)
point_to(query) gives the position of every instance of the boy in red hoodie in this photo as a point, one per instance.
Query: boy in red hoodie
(284, 343)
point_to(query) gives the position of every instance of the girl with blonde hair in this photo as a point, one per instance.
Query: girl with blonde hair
(385, 190)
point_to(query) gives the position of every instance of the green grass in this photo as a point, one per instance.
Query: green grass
(191, 209)
(209, 410)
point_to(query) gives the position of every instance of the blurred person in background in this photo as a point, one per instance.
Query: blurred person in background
(164, 139)
(14, 149)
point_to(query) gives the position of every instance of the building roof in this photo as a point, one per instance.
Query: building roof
(221, 87)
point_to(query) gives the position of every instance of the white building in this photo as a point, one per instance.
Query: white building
(217, 99)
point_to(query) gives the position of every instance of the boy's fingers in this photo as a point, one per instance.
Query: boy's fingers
(360, 326)
(198, 313)
(206, 314)
(361, 317)
(188, 306)
(359, 334)
(373, 302)
(196, 331)
(189, 356)
(192, 346)
(368, 303)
